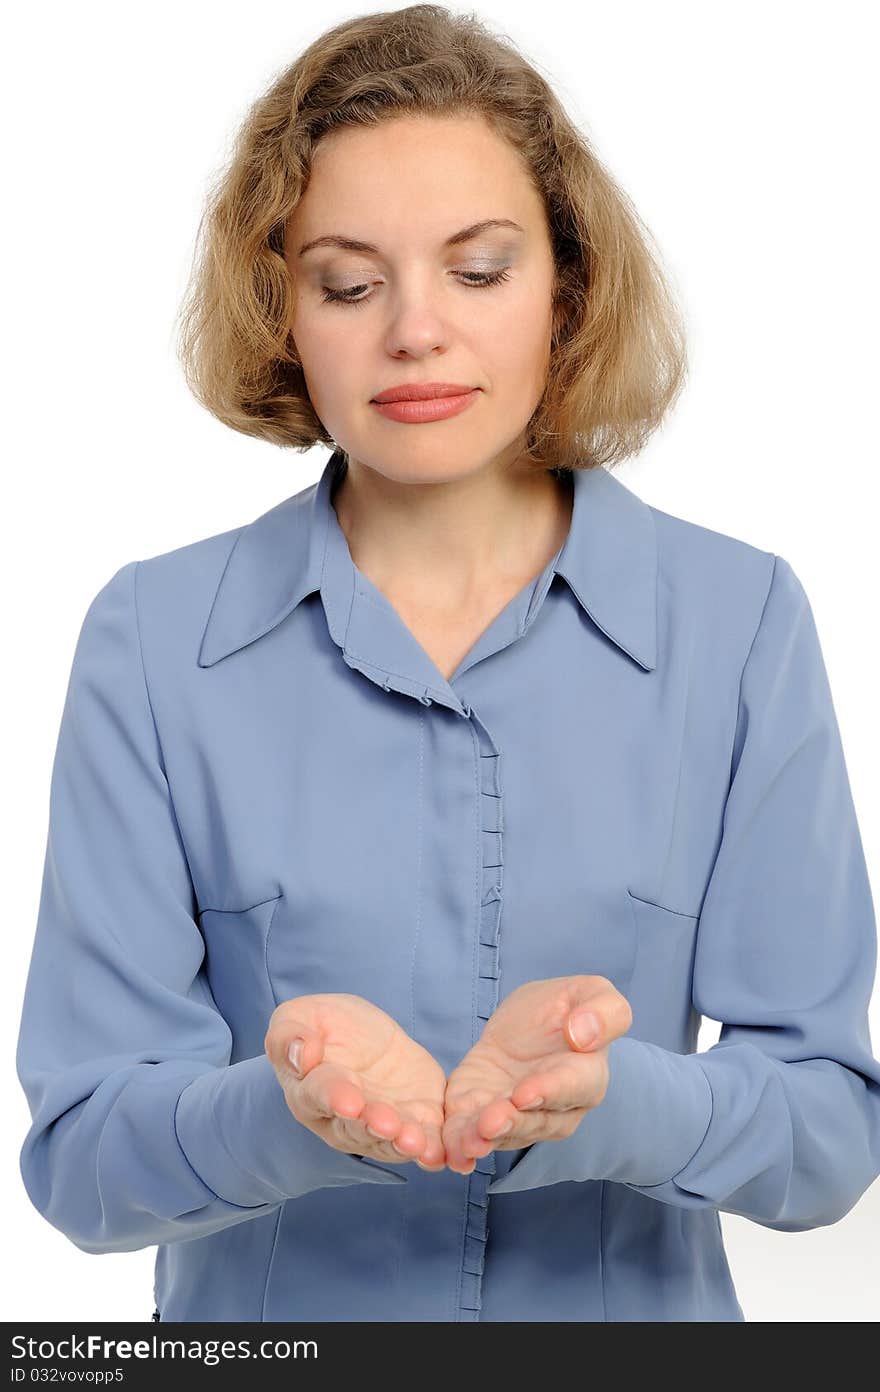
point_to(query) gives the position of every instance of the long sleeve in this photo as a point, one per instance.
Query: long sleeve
(142, 1131)
(780, 1120)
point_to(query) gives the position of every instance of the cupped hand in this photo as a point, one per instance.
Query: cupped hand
(529, 1072)
(364, 1086)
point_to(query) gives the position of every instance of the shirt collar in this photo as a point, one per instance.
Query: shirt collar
(609, 560)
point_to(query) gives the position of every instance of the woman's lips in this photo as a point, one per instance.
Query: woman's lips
(417, 412)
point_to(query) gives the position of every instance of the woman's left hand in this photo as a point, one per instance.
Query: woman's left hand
(528, 1057)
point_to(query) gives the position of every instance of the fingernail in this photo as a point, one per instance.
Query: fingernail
(294, 1053)
(536, 1102)
(584, 1028)
(508, 1126)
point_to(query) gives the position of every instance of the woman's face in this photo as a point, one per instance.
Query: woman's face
(420, 308)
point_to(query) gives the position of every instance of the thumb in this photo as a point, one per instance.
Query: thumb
(583, 1028)
(302, 1048)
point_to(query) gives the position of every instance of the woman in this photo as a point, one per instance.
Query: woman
(363, 813)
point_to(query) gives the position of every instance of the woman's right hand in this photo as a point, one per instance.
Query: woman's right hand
(364, 1086)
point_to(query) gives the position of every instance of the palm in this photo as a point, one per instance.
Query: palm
(523, 1053)
(372, 1074)
(363, 1076)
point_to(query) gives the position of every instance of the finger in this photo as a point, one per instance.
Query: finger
(453, 1136)
(575, 1083)
(549, 1092)
(499, 1122)
(504, 1124)
(427, 1151)
(327, 1092)
(381, 1120)
(367, 1140)
(598, 1017)
(294, 1048)
(433, 1156)
(409, 1138)
(583, 1029)
(526, 1130)
(471, 1137)
(384, 1123)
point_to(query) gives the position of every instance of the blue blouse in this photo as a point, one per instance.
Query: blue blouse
(264, 787)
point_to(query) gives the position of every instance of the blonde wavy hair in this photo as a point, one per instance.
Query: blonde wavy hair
(618, 355)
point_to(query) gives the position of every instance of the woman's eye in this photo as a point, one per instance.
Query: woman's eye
(343, 296)
(351, 296)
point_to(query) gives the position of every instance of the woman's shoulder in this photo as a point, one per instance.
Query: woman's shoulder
(689, 555)
(171, 594)
(711, 579)
(195, 570)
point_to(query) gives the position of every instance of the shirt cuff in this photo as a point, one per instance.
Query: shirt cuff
(241, 1138)
(652, 1120)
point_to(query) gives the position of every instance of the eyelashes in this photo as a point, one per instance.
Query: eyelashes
(477, 280)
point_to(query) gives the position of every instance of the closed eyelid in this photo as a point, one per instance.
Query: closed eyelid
(492, 256)
(472, 263)
(473, 279)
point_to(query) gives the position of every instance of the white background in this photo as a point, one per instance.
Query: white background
(746, 136)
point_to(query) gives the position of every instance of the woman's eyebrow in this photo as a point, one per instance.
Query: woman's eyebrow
(465, 235)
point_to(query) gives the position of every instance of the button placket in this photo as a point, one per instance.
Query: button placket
(491, 883)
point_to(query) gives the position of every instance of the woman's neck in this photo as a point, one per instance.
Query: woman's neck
(447, 544)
